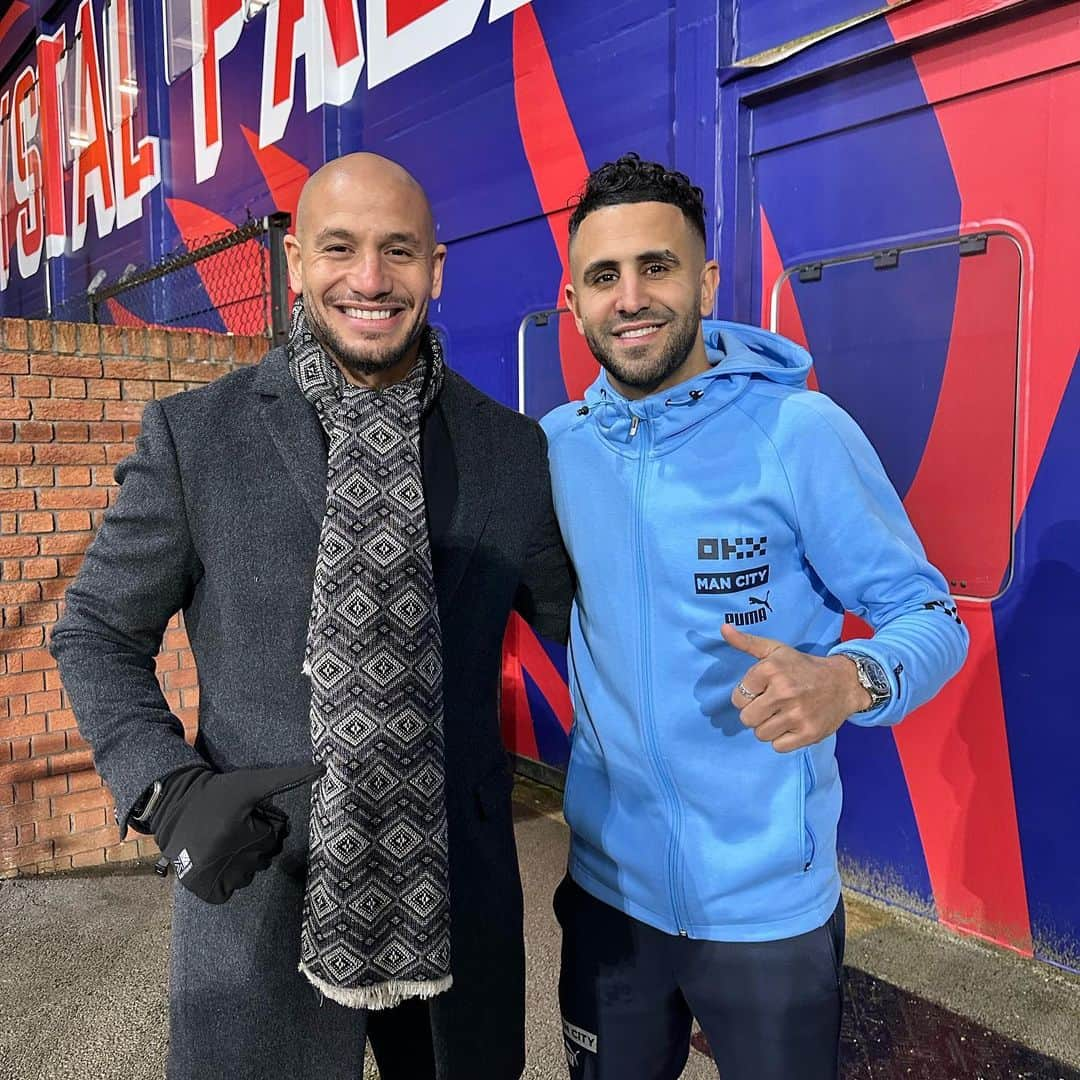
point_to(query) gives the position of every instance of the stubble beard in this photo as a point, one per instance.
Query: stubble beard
(372, 360)
(682, 334)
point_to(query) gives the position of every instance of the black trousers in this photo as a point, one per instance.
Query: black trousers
(629, 993)
(400, 1039)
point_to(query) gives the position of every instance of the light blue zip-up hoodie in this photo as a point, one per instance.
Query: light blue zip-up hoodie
(736, 496)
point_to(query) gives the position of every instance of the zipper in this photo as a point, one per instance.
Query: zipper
(645, 677)
(807, 783)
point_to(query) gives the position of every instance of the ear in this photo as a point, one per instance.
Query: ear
(438, 261)
(710, 282)
(572, 304)
(292, 256)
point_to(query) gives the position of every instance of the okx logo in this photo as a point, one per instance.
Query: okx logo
(739, 547)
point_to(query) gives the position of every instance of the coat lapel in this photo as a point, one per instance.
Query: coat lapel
(466, 420)
(295, 430)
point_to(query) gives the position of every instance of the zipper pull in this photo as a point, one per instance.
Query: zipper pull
(633, 426)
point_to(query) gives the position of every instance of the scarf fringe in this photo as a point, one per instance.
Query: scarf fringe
(385, 995)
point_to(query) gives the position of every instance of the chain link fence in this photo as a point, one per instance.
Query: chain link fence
(233, 281)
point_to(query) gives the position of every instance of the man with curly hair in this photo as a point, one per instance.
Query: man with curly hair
(704, 492)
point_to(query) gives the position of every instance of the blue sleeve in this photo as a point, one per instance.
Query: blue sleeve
(858, 538)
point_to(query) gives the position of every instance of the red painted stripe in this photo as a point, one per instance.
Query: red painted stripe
(517, 725)
(558, 169)
(789, 321)
(12, 16)
(225, 289)
(399, 13)
(546, 676)
(285, 176)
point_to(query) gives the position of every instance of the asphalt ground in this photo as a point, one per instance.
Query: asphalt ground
(83, 961)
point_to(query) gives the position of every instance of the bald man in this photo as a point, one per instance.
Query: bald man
(346, 526)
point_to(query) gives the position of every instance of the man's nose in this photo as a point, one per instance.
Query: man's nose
(632, 296)
(367, 275)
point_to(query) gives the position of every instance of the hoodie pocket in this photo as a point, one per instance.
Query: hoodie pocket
(805, 834)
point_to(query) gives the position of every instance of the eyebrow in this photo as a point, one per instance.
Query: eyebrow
(326, 235)
(666, 256)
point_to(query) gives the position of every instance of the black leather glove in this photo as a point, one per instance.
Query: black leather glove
(219, 829)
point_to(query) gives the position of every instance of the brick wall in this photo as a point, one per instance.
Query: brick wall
(71, 397)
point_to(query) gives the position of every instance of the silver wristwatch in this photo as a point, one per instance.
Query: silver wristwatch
(142, 812)
(872, 678)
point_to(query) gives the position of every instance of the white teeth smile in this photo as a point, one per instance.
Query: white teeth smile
(638, 333)
(371, 316)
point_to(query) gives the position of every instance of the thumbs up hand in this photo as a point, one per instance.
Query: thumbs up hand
(790, 698)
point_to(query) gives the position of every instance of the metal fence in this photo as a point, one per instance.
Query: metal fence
(234, 281)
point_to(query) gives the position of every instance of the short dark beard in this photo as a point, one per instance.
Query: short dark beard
(683, 334)
(363, 364)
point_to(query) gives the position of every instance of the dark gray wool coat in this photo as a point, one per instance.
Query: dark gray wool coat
(219, 515)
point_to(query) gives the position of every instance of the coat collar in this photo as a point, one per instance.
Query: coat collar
(297, 436)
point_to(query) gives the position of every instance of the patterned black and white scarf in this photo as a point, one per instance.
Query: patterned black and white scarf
(376, 921)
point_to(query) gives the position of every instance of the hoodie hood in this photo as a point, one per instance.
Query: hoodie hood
(738, 354)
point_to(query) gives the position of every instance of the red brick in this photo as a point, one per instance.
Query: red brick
(69, 388)
(14, 364)
(39, 568)
(35, 431)
(167, 389)
(24, 792)
(8, 524)
(40, 613)
(43, 701)
(88, 858)
(32, 386)
(8, 477)
(16, 335)
(87, 780)
(22, 592)
(70, 454)
(82, 800)
(14, 409)
(72, 521)
(176, 680)
(73, 367)
(125, 852)
(22, 684)
(16, 455)
(147, 846)
(37, 659)
(66, 544)
(73, 475)
(157, 343)
(7, 431)
(103, 388)
(89, 819)
(68, 410)
(36, 476)
(76, 843)
(112, 340)
(89, 339)
(49, 742)
(136, 369)
(69, 565)
(166, 661)
(71, 761)
(74, 740)
(18, 546)
(116, 452)
(110, 431)
(26, 856)
(22, 772)
(72, 498)
(7, 386)
(180, 344)
(65, 337)
(61, 720)
(35, 523)
(54, 588)
(10, 570)
(20, 749)
(41, 335)
(134, 340)
(123, 410)
(50, 828)
(22, 637)
(49, 786)
(138, 391)
(16, 500)
(70, 431)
